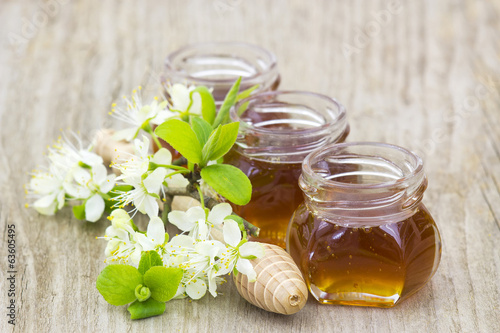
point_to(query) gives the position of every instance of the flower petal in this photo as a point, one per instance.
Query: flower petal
(151, 206)
(94, 207)
(196, 105)
(202, 230)
(108, 184)
(99, 174)
(125, 134)
(46, 205)
(195, 214)
(81, 176)
(142, 147)
(182, 241)
(245, 267)
(219, 213)
(196, 290)
(145, 242)
(176, 180)
(232, 233)
(90, 158)
(156, 231)
(153, 182)
(162, 156)
(181, 220)
(180, 96)
(61, 199)
(251, 249)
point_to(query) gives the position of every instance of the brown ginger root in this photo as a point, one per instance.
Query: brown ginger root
(279, 286)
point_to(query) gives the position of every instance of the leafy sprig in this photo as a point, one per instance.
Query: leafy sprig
(147, 287)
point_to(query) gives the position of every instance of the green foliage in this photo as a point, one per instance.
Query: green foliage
(243, 95)
(148, 260)
(223, 115)
(149, 287)
(146, 309)
(219, 142)
(79, 211)
(209, 139)
(117, 283)
(163, 282)
(229, 181)
(182, 137)
(201, 128)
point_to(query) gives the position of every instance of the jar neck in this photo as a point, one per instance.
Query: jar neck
(218, 65)
(285, 126)
(363, 184)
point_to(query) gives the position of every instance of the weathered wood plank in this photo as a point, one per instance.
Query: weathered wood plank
(411, 80)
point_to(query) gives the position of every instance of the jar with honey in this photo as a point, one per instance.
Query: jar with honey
(362, 236)
(277, 131)
(217, 65)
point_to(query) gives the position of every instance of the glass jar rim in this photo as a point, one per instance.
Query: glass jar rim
(272, 62)
(416, 172)
(341, 117)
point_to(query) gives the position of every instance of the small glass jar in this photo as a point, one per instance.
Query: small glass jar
(277, 131)
(362, 236)
(217, 65)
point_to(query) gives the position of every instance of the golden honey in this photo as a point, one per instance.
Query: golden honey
(362, 236)
(277, 131)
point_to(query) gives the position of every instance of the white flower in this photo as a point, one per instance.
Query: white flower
(199, 260)
(192, 221)
(138, 115)
(147, 184)
(181, 99)
(74, 171)
(48, 190)
(195, 222)
(238, 253)
(91, 185)
(154, 237)
(122, 246)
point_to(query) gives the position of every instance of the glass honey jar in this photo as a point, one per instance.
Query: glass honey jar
(362, 236)
(217, 65)
(277, 131)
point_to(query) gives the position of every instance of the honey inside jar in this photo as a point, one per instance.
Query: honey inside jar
(275, 195)
(384, 264)
(277, 131)
(362, 236)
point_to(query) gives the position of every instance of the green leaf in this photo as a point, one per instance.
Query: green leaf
(163, 282)
(79, 211)
(228, 181)
(182, 137)
(207, 103)
(245, 93)
(149, 308)
(220, 141)
(201, 128)
(117, 283)
(148, 260)
(223, 115)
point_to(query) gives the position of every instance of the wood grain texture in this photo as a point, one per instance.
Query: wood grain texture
(426, 77)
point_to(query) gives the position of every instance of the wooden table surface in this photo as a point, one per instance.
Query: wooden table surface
(420, 74)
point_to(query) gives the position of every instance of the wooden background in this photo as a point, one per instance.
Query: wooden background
(426, 77)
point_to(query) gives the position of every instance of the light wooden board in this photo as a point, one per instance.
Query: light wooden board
(418, 80)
